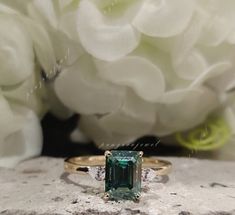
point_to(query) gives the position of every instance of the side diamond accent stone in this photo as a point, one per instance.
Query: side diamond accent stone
(97, 173)
(148, 174)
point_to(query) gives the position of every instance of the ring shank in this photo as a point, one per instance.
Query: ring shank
(83, 163)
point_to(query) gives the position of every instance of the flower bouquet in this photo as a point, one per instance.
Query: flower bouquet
(129, 68)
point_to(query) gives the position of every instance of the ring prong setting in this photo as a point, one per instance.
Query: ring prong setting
(137, 197)
(106, 196)
(107, 153)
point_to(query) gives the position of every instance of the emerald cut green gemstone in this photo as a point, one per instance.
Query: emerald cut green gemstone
(123, 175)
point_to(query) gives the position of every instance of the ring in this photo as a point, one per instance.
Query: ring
(123, 171)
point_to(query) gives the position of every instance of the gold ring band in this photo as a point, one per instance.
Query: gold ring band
(83, 163)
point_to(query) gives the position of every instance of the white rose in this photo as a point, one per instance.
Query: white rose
(21, 88)
(20, 136)
(150, 67)
(59, 19)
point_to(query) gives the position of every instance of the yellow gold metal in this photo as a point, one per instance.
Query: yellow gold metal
(83, 163)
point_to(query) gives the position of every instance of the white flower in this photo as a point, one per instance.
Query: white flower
(58, 18)
(21, 88)
(128, 67)
(20, 136)
(151, 66)
(10, 50)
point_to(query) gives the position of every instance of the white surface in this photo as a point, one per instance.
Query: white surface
(39, 186)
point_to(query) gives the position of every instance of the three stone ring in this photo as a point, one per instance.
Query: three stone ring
(123, 171)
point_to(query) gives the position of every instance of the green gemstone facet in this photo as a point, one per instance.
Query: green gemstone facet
(123, 174)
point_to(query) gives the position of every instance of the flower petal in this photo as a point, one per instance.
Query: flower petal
(23, 144)
(67, 4)
(44, 11)
(224, 82)
(230, 118)
(104, 139)
(164, 18)
(80, 89)
(176, 96)
(185, 42)
(104, 41)
(42, 44)
(163, 62)
(220, 21)
(57, 108)
(211, 72)
(193, 66)
(215, 31)
(140, 74)
(15, 4)
(121, 10)
(28, 93)
(59, 23)
(188, 113)
(134, 117)
(16, 51)
(6, 9)
(68, 24)
(67, 51)
(9, 123)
